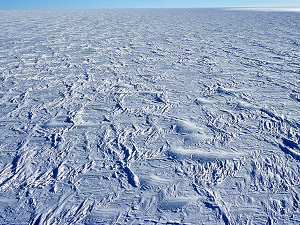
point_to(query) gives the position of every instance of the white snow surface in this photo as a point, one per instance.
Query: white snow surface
(161, 116)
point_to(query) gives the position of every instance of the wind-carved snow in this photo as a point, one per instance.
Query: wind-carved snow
(185, 116)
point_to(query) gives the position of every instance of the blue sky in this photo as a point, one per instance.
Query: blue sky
(97, 4)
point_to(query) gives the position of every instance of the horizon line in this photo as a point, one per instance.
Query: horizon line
(121, 8)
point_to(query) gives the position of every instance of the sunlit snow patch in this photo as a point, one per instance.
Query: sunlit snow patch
(175, 204)
(200, 155)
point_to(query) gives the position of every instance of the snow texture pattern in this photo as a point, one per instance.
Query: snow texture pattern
(166, 116)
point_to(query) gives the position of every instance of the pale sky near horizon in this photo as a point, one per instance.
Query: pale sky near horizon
(98, 4)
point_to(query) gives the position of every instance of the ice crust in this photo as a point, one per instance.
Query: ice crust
(161, 116)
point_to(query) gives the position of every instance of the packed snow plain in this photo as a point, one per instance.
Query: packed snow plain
(161, 116)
